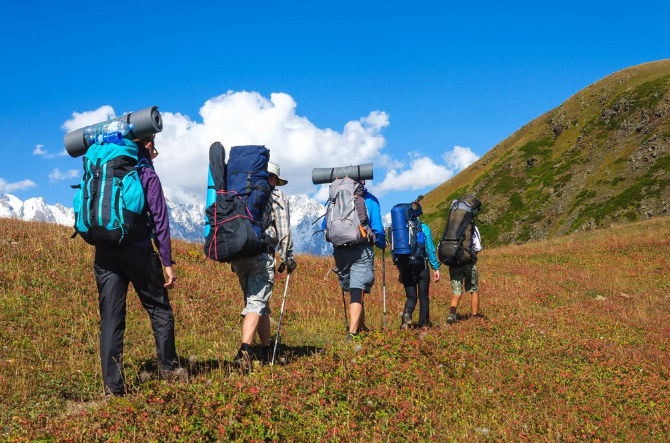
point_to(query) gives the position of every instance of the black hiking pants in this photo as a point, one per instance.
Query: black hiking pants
(416, 280)
(114, 268)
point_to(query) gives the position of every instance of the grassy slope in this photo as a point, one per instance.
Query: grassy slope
(574, 348)
(601, 157)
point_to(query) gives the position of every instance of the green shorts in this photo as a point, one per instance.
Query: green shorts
(469, 273)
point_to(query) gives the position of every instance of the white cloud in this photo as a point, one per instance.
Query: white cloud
(423, 172)
(39, 150)
(57, 175)
(460, 158)
(86, 118)
(243, 118)
(16, 186)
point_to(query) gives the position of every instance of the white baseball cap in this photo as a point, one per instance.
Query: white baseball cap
(273, 168)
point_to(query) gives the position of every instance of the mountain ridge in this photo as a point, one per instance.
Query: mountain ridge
(601, 157)
(186, 220)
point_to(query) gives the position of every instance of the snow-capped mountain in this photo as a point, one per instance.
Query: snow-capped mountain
(187, 221)
(35, 209)
(305, 211)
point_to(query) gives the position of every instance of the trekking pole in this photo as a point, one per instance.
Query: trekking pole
(346, 317)
(384, 282)
(281, 314)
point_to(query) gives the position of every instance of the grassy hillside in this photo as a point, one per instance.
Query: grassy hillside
(601, 157)
(574, 347)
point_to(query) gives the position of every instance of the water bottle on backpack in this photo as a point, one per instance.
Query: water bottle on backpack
(111, 131)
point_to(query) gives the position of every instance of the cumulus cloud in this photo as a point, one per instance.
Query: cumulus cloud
(244, 118)
(86, 118)
(5, 186)
(39, 150)
(459, 158)
(57, 175)
(295, 143)
(423, 172)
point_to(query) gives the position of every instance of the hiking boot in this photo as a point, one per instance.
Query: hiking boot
(406, 321)
(266, 355)
(243, 359)
(451, 319)
(351, 337)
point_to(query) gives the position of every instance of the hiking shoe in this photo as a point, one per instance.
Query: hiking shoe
(451, 319)
(266, 355)
(351, 337)
(406, 321)
(243, 360)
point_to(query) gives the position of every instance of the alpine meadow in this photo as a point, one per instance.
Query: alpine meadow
(573, 343)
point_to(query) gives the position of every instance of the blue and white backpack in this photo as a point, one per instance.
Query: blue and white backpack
(109, 206)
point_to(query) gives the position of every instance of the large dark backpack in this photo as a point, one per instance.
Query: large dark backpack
(109, 206)
(237, 195)
(408, 241)
(346, 216)
(456, 246)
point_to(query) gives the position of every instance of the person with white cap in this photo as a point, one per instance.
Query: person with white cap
(256, 274)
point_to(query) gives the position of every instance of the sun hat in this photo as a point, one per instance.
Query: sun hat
(273, 168)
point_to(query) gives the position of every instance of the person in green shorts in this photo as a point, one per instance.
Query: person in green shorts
(465, 277)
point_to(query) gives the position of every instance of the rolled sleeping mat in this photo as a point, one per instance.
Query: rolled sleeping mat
(145, 122)
(355, 172)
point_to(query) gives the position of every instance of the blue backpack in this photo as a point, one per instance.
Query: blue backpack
(408, 241)
(109, 206)
(237, 194)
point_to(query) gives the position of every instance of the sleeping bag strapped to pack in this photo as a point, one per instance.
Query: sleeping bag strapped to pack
(456, 247)
(346, 215)
(109, 206)
(237, 195)
(408, 241)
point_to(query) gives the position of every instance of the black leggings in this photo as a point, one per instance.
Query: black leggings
(415, 279)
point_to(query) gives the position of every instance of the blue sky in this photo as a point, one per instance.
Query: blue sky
(419, 88)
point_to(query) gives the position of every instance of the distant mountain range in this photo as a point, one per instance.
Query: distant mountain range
(186, 221)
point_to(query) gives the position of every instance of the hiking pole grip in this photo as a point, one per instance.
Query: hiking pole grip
(384, 282)
(281, 314)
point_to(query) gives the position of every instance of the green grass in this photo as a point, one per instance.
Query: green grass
(573, 347)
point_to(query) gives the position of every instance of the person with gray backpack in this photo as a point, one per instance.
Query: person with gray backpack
(353, 224)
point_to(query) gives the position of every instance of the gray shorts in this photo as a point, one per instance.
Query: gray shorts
(355, 266)
(257, 277)
(469, 273)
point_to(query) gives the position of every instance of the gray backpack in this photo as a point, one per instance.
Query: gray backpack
(346, 216)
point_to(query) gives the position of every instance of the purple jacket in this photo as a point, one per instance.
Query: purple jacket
(153, 192)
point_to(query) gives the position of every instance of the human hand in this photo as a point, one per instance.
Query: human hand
(171, 277)
(437, 275)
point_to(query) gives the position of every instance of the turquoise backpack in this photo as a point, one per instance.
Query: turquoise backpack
(109, 206)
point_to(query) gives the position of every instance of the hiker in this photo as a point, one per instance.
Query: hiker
(138, 262)
(256, 273)
(465, 277)
(415, 276)
(354, 261)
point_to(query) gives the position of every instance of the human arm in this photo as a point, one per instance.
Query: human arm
(159, 214)
(375, 218)
(476, 240)
(281, 215)
(430, 248)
